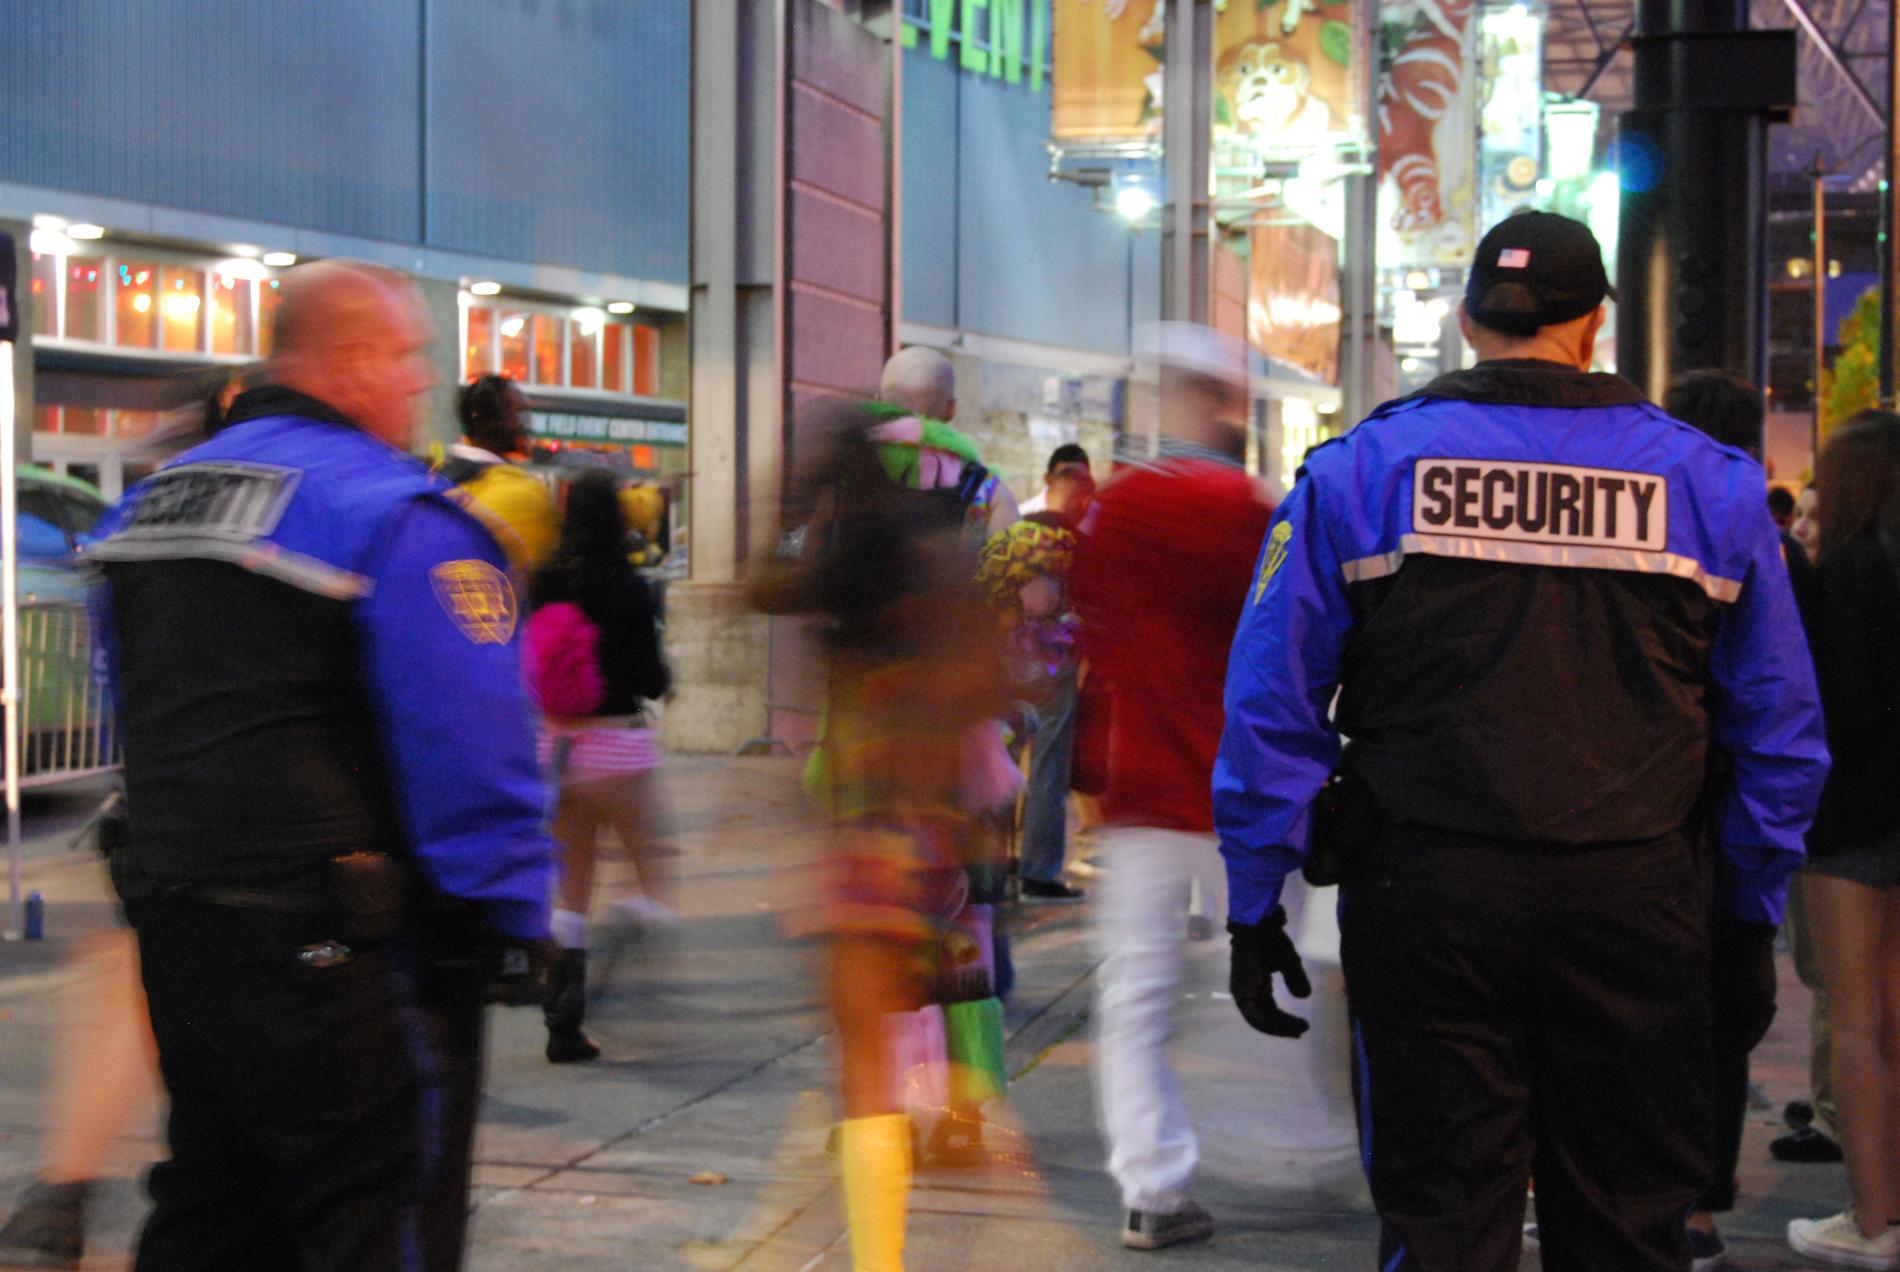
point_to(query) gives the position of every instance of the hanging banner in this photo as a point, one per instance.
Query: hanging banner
(1106, 82)
(1286, 73)
(1287, 77)
(1293, 310)
(1428, 204)
(1510, 133)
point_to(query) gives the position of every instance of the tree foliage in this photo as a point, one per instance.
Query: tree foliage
(1853, 383)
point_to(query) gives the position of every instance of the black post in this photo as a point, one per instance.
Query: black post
(1886, 212)
(1692, 263)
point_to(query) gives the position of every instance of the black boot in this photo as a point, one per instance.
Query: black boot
(566, 1005)
(46, 1228)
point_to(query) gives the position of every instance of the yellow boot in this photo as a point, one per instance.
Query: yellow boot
(874, 1157)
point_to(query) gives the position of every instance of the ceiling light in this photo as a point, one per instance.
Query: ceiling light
(243, 267)
(588, 320)
(512, 325)
(485, 288)
(47, 221)
(246, 249)
(52, 243)
(620, 307)
(280, 260)
(85, 230)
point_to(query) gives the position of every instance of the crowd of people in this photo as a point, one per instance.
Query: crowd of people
(1571, 707)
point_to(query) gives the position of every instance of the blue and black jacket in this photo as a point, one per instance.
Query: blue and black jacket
(1539, 600)
(313, 650)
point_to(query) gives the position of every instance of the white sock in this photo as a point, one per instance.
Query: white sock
(570, 930)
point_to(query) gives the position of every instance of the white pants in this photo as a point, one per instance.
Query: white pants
(1141, 925)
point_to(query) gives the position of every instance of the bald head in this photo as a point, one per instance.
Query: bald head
(921, 381)
(351, 335)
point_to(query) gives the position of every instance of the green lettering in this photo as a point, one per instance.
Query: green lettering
(943, 14)
(907, 34)
(972, 56)
(1006, 40)
(1038, 42)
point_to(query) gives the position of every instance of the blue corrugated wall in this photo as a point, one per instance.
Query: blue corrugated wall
(556, 129)
(990, 244)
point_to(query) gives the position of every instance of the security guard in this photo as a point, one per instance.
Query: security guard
(1541, 601)
(329, 752)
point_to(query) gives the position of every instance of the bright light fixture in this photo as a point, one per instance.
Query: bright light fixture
(243, 267)
(246, 249)
(280, 260)
(52, 243)
(511, 326)
(1134, 202)
(181, 306)
(620, 307)
(589, 319)
(485, 288)
(142, 303)
(85, 230)
(47, 221)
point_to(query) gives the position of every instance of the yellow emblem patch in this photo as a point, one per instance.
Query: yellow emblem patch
(1274, 558)
(479, 598)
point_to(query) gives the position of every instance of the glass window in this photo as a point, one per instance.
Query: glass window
(583, 355)
(547, 349)
(133, 423)
(514, 345)
(646, 360)
(181, 308)
(478, 358)
(85, 313)
(45, 292)
(45, 419)
(37, 523)
(135, 311)
(268, 294)
(613, 357)
(231, 315)
(85, 420)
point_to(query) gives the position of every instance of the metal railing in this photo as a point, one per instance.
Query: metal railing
(66, 722)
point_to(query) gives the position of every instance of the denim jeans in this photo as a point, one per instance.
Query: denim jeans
(1045, 833)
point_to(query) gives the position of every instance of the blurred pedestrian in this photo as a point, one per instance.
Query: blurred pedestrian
(1027, 566)
(1851, 888)
(914, 665)
(330, 762)
(1806, 528)
(1534, 603)
(594, 655)
(1160, 579)
(1066, 458)
(489, 469)
(1742, 969)
(1781, 507)
(922, 451)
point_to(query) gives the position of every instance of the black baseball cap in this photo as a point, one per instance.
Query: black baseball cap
(1533, 270)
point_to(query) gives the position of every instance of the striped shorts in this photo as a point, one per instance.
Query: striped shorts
(583, 753)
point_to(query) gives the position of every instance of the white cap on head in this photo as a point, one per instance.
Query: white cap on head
(1192, 348)
(920, 380)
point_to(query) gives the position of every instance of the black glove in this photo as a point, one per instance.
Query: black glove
(1260, 950)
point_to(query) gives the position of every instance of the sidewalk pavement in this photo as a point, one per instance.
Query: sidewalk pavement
(698, 1142)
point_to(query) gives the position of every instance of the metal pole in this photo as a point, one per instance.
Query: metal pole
(1187, 106)
(1820, 306)
(1886, 212)
(10, 640)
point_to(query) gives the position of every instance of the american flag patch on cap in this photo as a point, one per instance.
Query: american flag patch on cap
(1514, 258)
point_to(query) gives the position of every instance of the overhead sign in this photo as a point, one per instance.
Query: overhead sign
(1002, 39)
(568, 426)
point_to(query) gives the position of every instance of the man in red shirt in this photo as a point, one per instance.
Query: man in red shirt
(1160, 579)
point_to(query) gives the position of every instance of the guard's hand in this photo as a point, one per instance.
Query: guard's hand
(1261, 950)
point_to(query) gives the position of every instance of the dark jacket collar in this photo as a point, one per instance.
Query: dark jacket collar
(274, 399)
(1532, 382)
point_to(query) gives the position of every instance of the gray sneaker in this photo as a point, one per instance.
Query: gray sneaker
(1151, 1230)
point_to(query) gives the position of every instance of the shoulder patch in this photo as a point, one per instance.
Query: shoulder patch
(1273, 558)
(478, 598)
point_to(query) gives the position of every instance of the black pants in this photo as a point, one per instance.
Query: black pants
(1742, 1000)
(321, 1117)
(1523, 1010)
